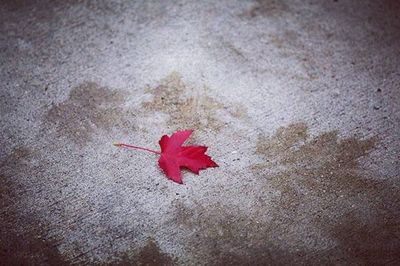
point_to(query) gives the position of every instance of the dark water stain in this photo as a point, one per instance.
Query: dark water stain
(149, 255)
(267, 8)
(188, 107)
(290, 43)
(379, 23)
(25, 6)
(11, 166)
(222, 235)
(8, 103)
(319, 195)
(88, 108)
(22, 237)
(320, 165)
(378, 40)
(323, 172)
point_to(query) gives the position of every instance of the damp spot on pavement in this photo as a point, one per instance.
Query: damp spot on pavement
(319, 178)
(148, 255)
(23, 239)
(222, 235)
(187, 107)
(267, 8)
(89, 107)
(309, 191)
(318, 164)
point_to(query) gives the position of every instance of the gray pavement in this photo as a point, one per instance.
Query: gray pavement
(298, 102)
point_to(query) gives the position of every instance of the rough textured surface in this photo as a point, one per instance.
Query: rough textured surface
(299, 102)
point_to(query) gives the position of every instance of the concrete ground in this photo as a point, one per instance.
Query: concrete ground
(298, 101)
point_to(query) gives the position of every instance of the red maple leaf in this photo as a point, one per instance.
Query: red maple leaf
(173, 155)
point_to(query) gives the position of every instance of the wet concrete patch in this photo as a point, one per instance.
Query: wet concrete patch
(10, 166)
(319, 178)
(311, 204)
(22, 239)
(7, 103)
(26, 246)
(148, 255)
(324, 164)
(222, 235)
(187, 107)
(288, 41)
(267, 8)
(88, 108)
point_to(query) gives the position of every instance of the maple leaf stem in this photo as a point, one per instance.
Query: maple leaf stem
(135, 147)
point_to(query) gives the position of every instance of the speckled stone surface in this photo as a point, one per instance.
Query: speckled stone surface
(298, 101)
